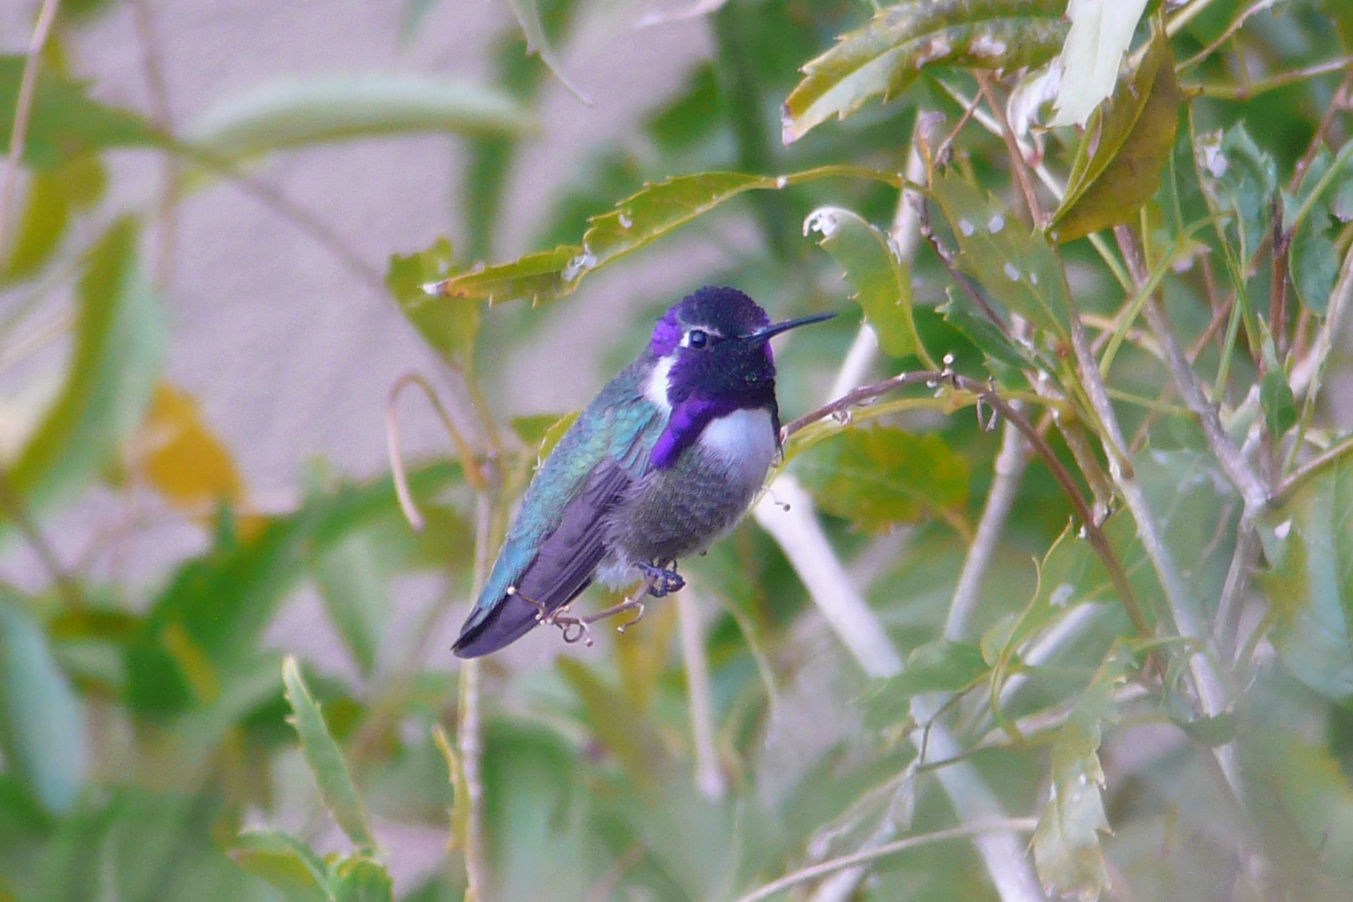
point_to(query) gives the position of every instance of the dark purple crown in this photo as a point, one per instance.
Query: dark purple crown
(726, 311)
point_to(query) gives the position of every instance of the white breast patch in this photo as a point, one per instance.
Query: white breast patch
(744, 439)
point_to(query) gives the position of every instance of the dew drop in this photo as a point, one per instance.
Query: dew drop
(995, 223)
(1011, 272)
(966, 227)
(782, 181)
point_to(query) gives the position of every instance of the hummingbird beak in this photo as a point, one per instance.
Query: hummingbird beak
(766, 332)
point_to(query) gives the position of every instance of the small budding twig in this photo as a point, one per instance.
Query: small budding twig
(576, 629)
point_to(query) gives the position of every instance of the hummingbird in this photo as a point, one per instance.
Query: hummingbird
(666, 458)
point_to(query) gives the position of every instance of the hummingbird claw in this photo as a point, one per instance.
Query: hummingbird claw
(638, 615)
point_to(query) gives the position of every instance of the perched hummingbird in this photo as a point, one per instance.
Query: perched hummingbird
(663, 461)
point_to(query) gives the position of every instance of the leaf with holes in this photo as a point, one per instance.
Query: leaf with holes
(882, 282)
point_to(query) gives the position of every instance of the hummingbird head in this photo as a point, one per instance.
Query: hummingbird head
(712, 356)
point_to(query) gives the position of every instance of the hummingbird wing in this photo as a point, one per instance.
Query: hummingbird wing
(559, 537)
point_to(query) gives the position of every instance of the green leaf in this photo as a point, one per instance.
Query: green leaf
(42, 730)
(359, 878)
(1017, 267)
(636, 221)
(938, 666)
(884, 57)
(295, 112)
(1122, 150)
(351, 582)
(120, 336)
(63, 123)
(53, 195)
(284, 861)
(451, 329)
(882, 282)
(325, 759)
(1238, 179)
(1310, 582)
(1308, 217)
(537, 42)
(880, 476)
(1067, 852)
(1280, 406)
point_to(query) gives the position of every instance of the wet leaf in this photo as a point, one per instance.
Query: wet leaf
(284, 861)
(451, 328)
(880, 476)
(881, 279)
(63, 122)
(295, 112)
(1123, 149)
(1067, 852)
(325, 759)
(1310, 582)
(183, 458)
(1017, 267)
(42, 729)
(885, 56)
(120, 337)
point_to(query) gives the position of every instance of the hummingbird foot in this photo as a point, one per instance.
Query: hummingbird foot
(661, 580)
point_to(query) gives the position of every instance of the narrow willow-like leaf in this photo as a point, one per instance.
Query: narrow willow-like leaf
(1067, 851)
(42, 731)
(120, 337)
(1016, 267)
(638, 220)
(1310, 583)
(325, 759)
(1123, 149)
(294, 112)
(882, 282)
(284, 861)
(880, 476)
(885, 56)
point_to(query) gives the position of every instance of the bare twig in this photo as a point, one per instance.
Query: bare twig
(709, 778)
(469, 735)
(1312, 467)
(13, 506)
(23, 107)
(1009, 468)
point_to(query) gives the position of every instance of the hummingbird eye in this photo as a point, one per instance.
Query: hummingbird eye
(697, 338)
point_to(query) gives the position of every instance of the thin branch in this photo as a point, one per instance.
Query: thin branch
(1282, 80)
(1312, 467)
(1008, 469)
(1017, 164)
(709, 778)
(469, 732)
(67, 586)
(468, 464)
(23, 108)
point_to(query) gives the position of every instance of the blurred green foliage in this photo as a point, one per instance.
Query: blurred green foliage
(1118, 637)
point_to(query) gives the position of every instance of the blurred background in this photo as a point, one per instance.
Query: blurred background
(211, 249)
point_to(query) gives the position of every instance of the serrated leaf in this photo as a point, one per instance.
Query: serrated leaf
(885, 56)
(1067, 852)
(325, 759)
(881, 476)
(1123, 149)
(1095, 43)
(452, 328)
(294, 112)
(183, 458)
(939, 666)
(120, 338)
(882, 282)
(284, 861)
(638, 220)
(42, 731)
(63, 122)
(1309, 585)
(1018, 268)
(360, 878)
(1238, 180)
